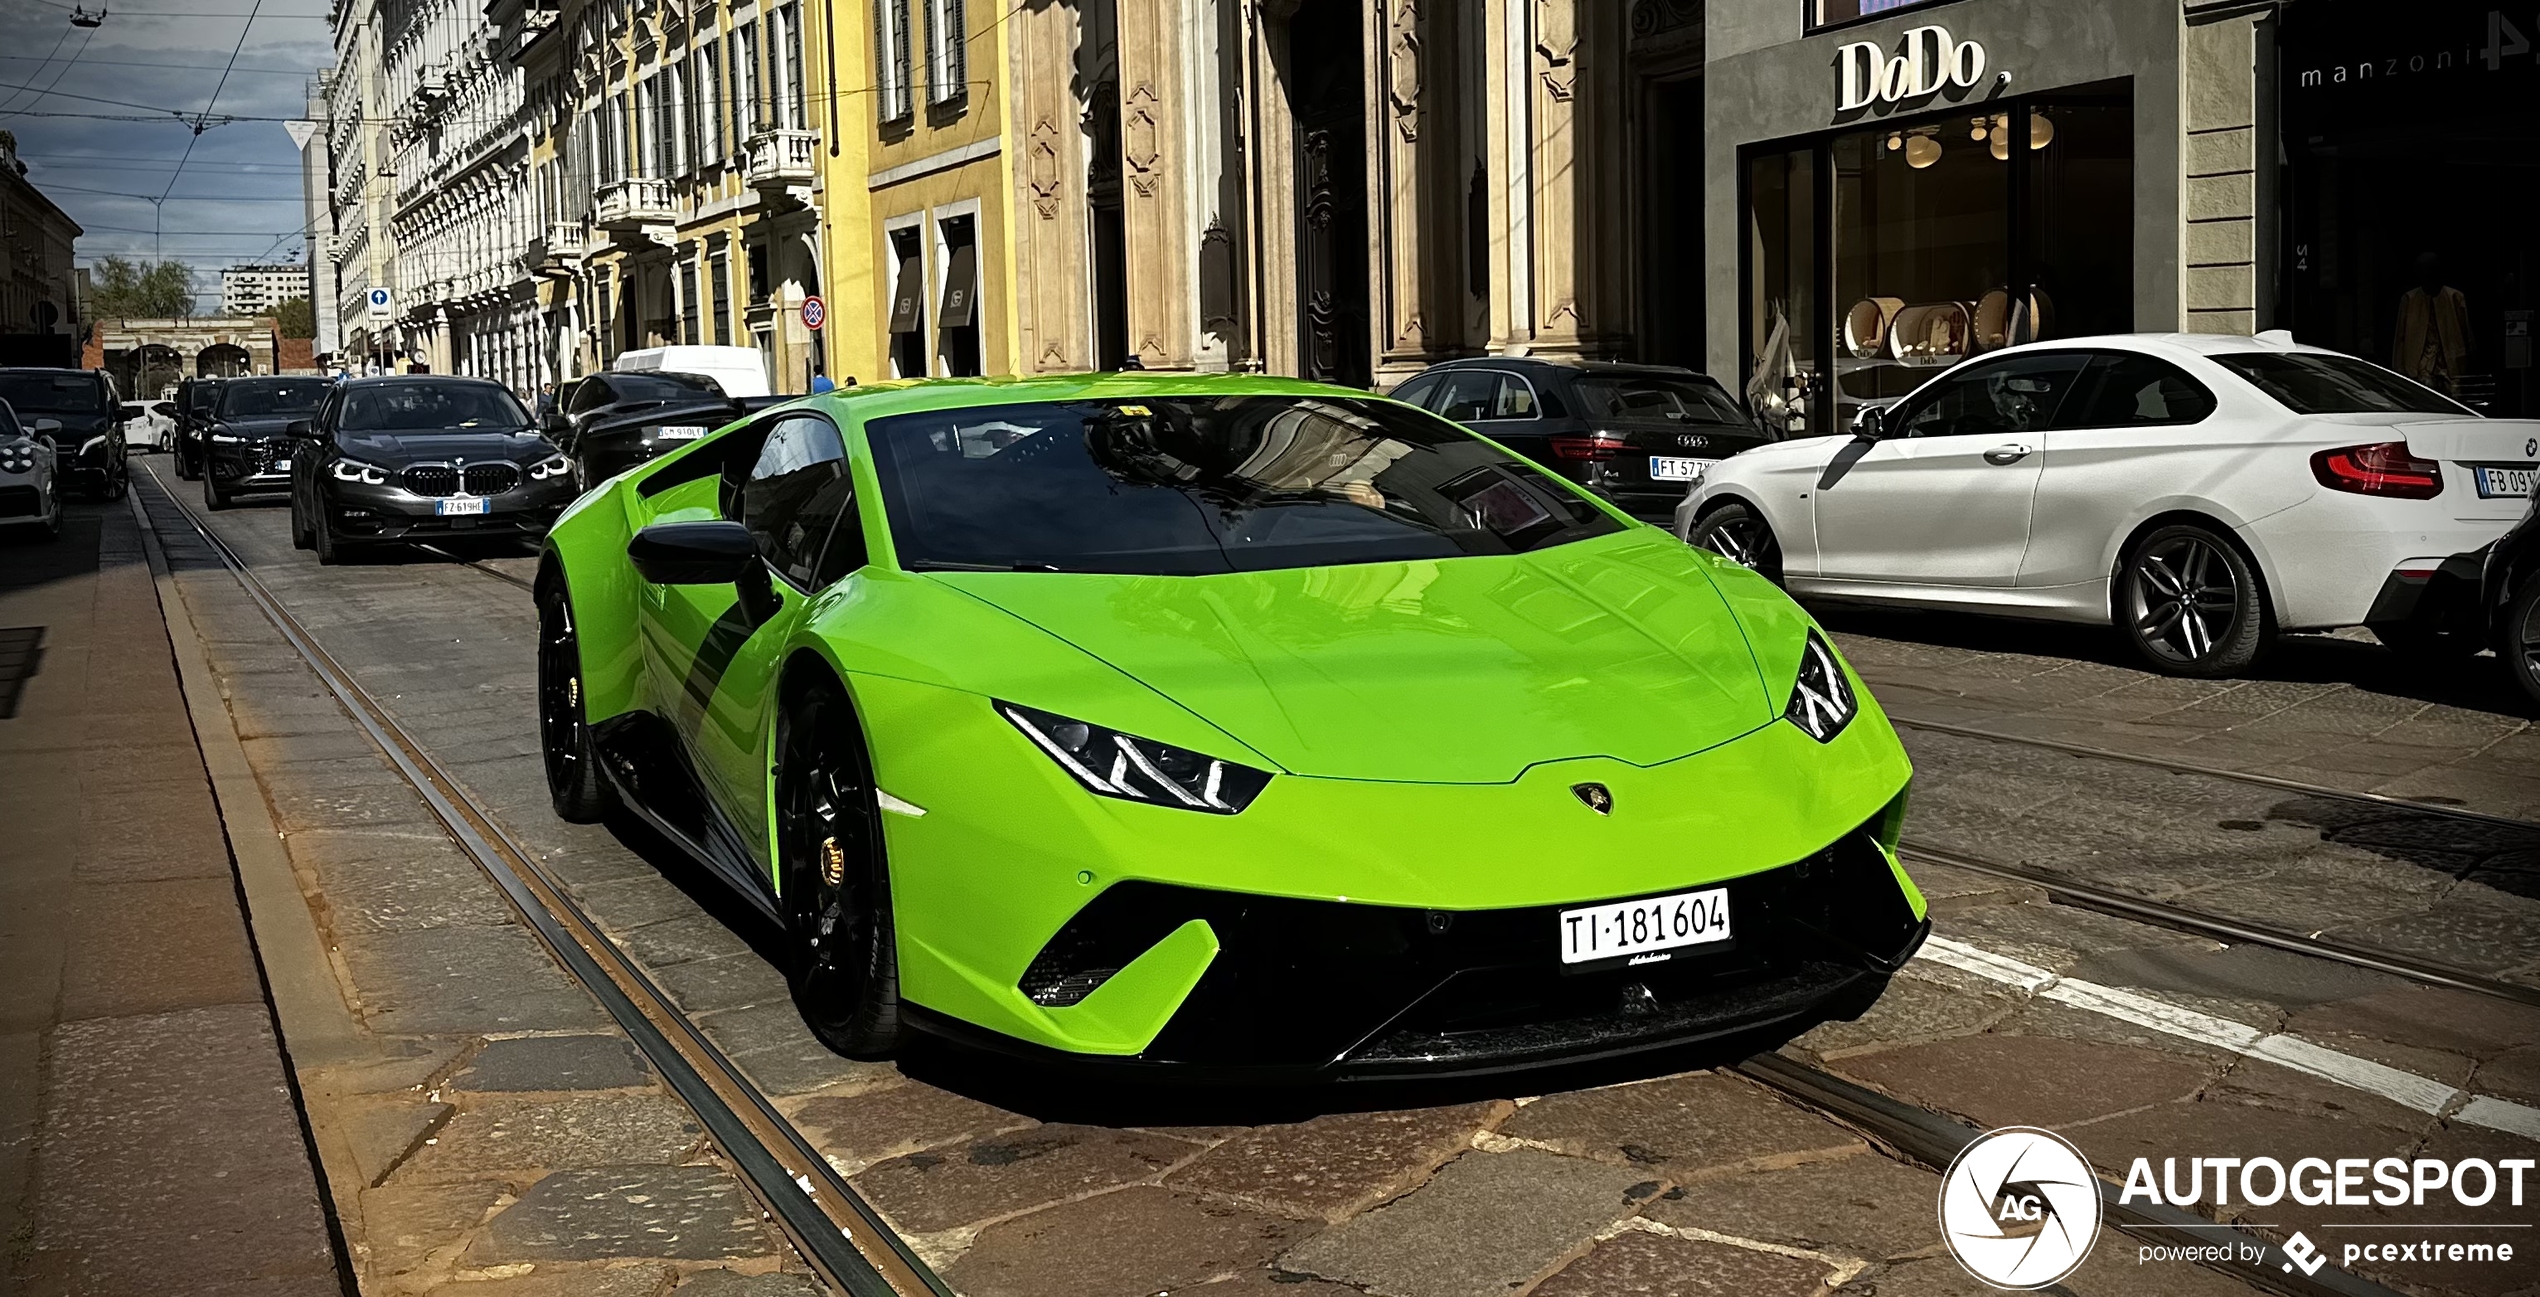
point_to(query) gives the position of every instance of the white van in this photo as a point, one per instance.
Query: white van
(741, 371)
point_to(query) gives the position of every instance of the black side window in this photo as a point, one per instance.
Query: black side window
(794, 495)
(592, 393)
(2125, 390)
(2014, 394)
(1470, 394)
(1417, 391)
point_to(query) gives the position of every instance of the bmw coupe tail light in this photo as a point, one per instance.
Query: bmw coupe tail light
(1111, 764)
(2383, 468)
(1821, 700)
(1597, 446)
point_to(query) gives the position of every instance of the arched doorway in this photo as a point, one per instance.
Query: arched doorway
(157, 369)
(223, 360)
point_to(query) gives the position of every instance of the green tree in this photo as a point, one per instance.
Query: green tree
(297, 317)
(121, 288)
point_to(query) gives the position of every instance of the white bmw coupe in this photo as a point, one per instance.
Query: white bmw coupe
(2198, 492)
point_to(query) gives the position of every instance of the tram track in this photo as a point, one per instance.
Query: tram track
(828, 1223)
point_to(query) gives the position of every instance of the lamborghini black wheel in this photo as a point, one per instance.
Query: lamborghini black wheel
(837, 885)
(576, 785)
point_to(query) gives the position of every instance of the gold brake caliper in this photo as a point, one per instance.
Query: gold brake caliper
(833, 862)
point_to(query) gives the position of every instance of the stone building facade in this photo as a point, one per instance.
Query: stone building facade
(671, 178)
(37, 283)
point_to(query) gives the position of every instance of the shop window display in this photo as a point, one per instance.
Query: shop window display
(1946, 235)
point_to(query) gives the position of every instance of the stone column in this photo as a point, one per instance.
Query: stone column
(1575, 85)
(1417, 208)
(1153, 154)
(1050, 277)
(2218, 158)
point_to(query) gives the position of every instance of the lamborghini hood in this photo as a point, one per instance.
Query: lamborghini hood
(1461, 670)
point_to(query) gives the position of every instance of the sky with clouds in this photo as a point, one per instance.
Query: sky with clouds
(235, 197)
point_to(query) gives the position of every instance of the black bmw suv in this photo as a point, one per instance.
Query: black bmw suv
(1639, 435)
(422, 458)
(245, 439)
(195, 399)
(88, 436)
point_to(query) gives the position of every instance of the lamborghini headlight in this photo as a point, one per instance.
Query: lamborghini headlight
(551, 466)
(1111, 764)
(353, 470)
(17, 456)
(1821, 701)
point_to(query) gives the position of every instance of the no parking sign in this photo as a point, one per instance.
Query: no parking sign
(814, 313)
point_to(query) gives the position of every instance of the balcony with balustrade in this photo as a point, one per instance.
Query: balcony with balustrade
(556, 250)
(781, 159)
(628, 206)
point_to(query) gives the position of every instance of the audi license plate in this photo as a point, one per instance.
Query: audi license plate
(1669, 468)
(1642, 928)
(2504, 483)
(459, 505)
(682, 432)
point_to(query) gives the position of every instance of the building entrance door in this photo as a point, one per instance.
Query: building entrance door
(1328, 96)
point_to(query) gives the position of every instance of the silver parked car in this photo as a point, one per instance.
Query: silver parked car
(30, 499)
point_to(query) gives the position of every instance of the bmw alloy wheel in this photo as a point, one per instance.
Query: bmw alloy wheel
(2191, 603)
(1737, 533)
(2522, 647)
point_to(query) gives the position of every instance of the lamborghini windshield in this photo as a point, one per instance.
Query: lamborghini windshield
(1180, 486)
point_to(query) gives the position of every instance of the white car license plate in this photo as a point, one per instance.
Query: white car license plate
(2504, 483)
(682, 432)
(1645, 926)
(457, 505)
(1669, 468)
(282, 466)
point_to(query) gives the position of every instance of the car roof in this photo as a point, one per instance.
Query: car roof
(2174, 344)
(1565, 363)
(915, 396)
(407, 380)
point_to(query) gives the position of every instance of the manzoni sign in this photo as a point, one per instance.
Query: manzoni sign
(1927, 61)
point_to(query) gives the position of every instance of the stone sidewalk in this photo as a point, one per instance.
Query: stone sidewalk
(486, 1128)
(148, 1137)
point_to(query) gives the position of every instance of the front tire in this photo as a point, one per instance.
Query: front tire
(1738, 533)
(330, 551)
(214, 498)
(301, 538)
(837, 879)
(576, 786)
(2190, 604)
(188, 467)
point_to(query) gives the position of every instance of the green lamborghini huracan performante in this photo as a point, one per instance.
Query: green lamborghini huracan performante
(1221, 725)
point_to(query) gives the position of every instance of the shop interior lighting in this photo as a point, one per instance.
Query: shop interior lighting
(1921, 150)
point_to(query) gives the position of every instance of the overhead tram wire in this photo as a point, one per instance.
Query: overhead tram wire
(157, 246)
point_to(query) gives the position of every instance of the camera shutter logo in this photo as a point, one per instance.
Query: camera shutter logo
(2020, 1208)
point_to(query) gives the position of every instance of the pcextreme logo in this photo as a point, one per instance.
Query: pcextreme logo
(2020, 1207)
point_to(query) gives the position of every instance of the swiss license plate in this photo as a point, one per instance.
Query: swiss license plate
(1670, 468)
(682, 432)
(2503, 483)
(459, 505)
(1644, 927)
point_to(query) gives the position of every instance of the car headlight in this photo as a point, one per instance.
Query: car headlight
(353, 470)
(17, 457)
(552, 466)
(1111, 764)
(1821, 700)
(225, 439)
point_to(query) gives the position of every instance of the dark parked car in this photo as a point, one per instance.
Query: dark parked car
(417, 458)
(247, 442)
(1639, 435)
(88, 444)
(609, 423)
(2509, 600)
(194, 398)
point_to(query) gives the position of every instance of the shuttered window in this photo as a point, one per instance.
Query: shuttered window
(947, 51)
(890, 58)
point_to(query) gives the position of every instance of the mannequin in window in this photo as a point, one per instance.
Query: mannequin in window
(2433, 332)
